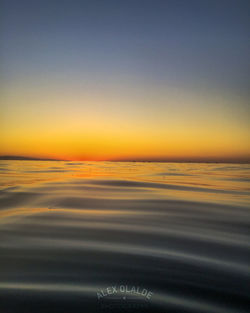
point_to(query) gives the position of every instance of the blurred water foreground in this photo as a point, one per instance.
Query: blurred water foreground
(124, 237)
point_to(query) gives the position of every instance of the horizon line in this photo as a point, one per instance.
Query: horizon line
(156, 160)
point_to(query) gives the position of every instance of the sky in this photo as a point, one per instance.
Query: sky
(125, 80)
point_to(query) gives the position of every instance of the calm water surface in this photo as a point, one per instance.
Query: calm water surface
(70, 230)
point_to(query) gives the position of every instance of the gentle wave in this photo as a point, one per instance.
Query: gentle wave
(69, 229)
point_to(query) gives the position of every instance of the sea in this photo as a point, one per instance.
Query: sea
(90, 237)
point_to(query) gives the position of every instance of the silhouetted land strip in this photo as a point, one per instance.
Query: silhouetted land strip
(228, 161)
(24, 158)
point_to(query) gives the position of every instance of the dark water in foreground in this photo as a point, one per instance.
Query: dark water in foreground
(167, 237)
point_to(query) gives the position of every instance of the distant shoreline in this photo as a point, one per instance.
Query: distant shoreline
(23, 158)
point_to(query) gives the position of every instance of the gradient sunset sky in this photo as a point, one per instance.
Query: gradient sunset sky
(125, 80)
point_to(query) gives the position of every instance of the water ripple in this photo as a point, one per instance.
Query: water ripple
(71, 229)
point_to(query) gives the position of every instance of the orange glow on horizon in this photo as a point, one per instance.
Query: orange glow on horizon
(123, 126)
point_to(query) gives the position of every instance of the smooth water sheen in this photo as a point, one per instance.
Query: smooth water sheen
(71, 229)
